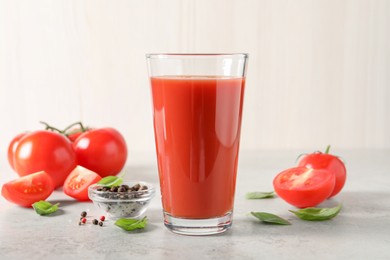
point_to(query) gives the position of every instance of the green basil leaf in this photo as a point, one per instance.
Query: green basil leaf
(260, 195)
(130, 224)
(45, 208)
(110, 181)
(270, 218)
(317, 214)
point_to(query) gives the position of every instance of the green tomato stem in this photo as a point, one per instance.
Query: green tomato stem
(327, 149)
(74, 124)
(51, 128)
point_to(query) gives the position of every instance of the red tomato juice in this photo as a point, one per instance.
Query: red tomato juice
(197, 122)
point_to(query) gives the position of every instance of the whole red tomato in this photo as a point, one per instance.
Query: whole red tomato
(101, 150)
(327, 162)
(45, 151)
(12, 147)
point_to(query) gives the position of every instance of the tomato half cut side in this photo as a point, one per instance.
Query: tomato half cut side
(28, 189)
(304, 187)
(77, 183)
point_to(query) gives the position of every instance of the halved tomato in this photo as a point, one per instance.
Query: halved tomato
(77, 183)
(304, 187)
(328, 162)
(28, 189)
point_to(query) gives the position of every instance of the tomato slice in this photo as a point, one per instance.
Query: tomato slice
(28, 189)
(77, 183)
(304, 187)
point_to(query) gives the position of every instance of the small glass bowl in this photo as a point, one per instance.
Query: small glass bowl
(129, 204)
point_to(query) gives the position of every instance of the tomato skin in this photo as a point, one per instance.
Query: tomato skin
(28, 189)
(328, 162)
(77, 183)
(101, 150)
(45, 151)
(12, 147)
(75, 133)
(72, 137)
(303, 187)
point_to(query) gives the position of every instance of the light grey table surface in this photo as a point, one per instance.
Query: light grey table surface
(360, 231)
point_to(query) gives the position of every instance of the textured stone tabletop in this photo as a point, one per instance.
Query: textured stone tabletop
(360, 231)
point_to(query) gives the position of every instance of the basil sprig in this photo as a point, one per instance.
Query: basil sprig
(270, 218)
(317, 214)
(260, 195)
(130, 224)
(45, 208)
(110, 181)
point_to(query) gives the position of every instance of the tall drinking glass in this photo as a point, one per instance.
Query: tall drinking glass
(197, 111)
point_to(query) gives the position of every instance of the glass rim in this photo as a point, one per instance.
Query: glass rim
(200, 55)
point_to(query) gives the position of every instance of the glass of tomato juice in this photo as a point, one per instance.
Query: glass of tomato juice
(197, 110)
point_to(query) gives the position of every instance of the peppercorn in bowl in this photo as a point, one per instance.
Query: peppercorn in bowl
(128, 200)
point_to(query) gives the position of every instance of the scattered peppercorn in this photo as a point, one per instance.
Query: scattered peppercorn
(102, 218)
(83, 214)
(101, 223)
(83, 220)
(95, 221)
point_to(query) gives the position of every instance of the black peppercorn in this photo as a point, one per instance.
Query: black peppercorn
(136, 187)
(83, 214)
(125, 186)
(101, 223)
(95, 221)
(122, 189)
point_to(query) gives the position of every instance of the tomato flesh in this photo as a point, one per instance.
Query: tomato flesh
(28, 189)
(304, 187)
(327, 162)
(77, 183)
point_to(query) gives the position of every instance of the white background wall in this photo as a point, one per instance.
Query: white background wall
(319, 71)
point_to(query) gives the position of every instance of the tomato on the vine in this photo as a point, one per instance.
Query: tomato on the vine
(28, 189)
(101, 150)
(47, 151)
(304, 187)
(12, 147)
(77, 183)
(328, 162)
(74, 135)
